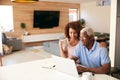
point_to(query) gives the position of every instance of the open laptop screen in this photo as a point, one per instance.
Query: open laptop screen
(65, 65)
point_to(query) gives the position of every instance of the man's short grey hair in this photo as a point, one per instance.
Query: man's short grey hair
(88, 30)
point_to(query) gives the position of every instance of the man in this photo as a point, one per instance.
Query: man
(93, 58)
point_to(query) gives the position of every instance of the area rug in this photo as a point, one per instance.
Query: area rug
(26, 55)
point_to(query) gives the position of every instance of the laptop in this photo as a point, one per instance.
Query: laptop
(65, 66)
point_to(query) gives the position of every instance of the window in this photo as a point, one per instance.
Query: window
(73, 14)
(6, 18)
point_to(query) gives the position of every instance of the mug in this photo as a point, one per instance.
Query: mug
(64, 44)
(87, 76)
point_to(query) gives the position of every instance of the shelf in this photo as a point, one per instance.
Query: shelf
(42, 37)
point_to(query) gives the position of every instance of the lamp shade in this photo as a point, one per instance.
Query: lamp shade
(24, 0)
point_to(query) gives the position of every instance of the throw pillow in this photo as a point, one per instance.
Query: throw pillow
(7, 49)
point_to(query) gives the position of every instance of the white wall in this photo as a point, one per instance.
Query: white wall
(113, 31)
(97, 17)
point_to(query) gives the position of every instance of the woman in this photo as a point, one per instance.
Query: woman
(72, 32)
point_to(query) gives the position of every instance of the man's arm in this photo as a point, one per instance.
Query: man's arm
(104, 69)
(74, 58)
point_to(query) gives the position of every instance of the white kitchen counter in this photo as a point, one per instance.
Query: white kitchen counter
(34, 71)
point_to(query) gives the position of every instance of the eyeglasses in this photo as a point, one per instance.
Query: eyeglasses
(84, 37)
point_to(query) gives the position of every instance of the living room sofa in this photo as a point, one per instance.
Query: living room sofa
(14, 42)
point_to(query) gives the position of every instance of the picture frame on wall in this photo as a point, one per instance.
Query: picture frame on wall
(103, 2)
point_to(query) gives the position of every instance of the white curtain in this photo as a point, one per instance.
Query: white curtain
(6, 21)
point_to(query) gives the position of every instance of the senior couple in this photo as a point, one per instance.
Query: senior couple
(81, 46)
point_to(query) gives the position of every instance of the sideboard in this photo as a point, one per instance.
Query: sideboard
(35, 39)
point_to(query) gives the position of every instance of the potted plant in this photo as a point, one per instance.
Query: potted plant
(82, 22)
(23, 26)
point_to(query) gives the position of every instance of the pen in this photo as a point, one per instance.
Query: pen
(48, 67)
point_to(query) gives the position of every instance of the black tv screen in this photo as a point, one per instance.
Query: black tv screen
(46, 19)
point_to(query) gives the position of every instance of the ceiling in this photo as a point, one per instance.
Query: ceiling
(69, 1)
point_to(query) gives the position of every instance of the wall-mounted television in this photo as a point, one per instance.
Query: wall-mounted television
(46, 19)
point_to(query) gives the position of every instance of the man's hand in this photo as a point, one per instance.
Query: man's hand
(81, 68)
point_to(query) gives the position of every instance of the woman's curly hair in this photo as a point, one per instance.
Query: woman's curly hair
(74, 25)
